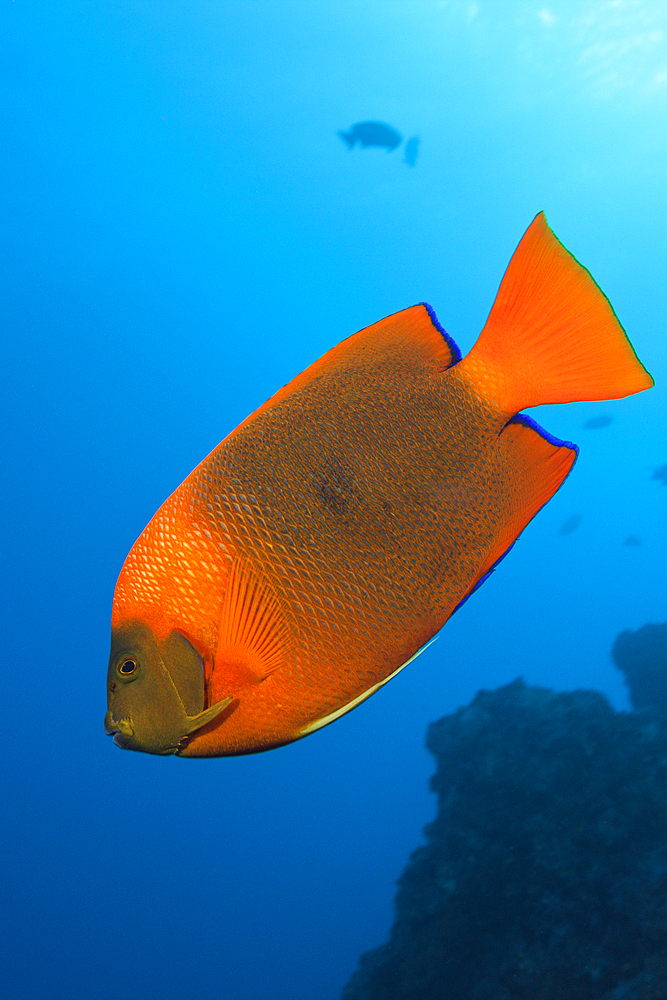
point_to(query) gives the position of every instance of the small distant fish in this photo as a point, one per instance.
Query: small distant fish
(633, 541)
(661, 475)
(323, 544)
(372, 134)
(595, 423)
(411, 150)
(570, 525)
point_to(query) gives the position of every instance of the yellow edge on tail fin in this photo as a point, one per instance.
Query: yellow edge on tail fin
(552, 335)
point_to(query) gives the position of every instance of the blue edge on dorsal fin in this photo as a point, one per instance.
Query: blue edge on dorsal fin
(456, 353)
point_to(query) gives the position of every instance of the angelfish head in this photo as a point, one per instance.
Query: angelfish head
(155, 690)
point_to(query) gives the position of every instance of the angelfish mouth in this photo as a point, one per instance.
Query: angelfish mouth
(120, 729)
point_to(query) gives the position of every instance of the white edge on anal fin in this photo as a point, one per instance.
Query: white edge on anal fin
(332, 716)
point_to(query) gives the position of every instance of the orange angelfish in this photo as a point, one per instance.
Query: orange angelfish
(327, 539)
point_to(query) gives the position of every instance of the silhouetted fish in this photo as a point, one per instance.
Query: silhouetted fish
(661, 475)
(372, 134)
(411, 150)
(633, 541)
(595, 423)
(571, 524)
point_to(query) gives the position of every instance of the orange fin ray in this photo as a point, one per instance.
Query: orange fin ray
(552, 335)
(252, 633)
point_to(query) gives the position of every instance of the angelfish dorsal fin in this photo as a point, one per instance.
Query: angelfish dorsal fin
(252, 634)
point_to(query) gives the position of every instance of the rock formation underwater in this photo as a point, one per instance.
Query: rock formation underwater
(544, 873)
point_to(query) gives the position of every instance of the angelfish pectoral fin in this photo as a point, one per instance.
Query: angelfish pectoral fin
(195, 722)
(253, 636)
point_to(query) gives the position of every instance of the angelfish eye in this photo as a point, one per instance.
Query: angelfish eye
(127, 667)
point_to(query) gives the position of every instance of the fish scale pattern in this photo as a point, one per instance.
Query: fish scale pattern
(363, 529)
(332, 534)
(367, 494)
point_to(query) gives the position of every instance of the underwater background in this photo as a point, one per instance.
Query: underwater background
(183, 231)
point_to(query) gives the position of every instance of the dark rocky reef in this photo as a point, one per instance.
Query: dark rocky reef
(642, 658)
(544, 875)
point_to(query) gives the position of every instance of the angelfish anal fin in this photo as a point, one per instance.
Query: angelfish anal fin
(344, 709)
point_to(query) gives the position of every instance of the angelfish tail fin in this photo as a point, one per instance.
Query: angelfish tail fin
(552, 335)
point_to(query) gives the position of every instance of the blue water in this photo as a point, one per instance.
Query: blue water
(182, 232)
